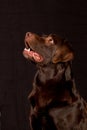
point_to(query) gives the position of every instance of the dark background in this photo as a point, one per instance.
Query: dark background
(67, 18)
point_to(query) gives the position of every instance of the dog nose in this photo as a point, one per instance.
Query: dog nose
(28, 34)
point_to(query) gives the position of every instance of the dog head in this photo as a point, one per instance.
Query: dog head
(47, 49)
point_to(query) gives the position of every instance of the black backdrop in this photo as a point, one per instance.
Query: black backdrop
(64, 17)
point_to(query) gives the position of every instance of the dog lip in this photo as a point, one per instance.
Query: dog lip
(27, 45)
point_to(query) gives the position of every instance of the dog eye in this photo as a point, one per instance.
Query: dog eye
(51, 41)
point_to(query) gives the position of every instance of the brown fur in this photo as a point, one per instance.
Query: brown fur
(55, 102)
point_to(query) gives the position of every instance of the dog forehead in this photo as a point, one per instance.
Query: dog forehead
(54, 39)
(49, 38)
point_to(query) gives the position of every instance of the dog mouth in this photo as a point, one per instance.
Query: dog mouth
(29, 53)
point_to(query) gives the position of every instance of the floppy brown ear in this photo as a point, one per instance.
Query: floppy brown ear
(63, 54)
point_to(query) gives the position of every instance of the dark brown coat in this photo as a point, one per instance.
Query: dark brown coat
(55, 102)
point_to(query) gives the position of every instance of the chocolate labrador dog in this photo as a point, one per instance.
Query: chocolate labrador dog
(55, 102)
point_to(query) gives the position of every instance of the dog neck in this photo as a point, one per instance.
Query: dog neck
(57, 78)
(54, 73)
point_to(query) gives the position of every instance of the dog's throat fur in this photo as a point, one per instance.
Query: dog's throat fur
(53, 74)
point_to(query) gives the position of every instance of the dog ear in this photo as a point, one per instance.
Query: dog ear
(63, 54)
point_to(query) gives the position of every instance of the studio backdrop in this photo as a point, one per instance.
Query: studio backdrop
(63, 17)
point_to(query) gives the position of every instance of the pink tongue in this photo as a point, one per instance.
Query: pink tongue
(37, 57)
